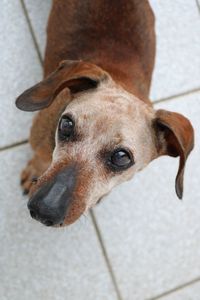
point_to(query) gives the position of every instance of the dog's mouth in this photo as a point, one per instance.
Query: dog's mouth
(54, 203)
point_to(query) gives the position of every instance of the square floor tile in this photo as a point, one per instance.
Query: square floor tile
(38, 12)
(177, 66)
(19, 70)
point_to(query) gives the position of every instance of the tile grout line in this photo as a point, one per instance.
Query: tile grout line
(104, 252)
(17, 144)
(178, 288)
(32, 32)
(198, 5)
(173, 97)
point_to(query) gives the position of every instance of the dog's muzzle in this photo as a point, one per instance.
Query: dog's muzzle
(50, 202)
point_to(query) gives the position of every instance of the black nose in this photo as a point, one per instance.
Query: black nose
(48, 220)
(49, 204)
(45, 221)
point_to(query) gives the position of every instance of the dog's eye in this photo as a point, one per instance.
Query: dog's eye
(66, 127)
(121, 159)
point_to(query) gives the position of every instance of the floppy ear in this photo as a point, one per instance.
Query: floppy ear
(174, 137)
(75, 75)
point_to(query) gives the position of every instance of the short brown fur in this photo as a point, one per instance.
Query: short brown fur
(110, 44)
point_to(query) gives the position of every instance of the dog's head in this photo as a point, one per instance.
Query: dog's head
(104, 136)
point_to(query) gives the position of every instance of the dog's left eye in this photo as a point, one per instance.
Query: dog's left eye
(66, 127)
(121, 159)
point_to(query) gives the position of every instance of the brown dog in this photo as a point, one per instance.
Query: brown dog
(97, 127)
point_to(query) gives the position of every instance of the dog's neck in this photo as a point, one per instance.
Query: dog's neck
(116, 35)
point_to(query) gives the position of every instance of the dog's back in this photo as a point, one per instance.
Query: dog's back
(116, 35)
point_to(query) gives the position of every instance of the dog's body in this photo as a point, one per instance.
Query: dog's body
(118, 36)
(111, 48)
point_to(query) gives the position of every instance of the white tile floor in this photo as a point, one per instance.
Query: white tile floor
(151, 240)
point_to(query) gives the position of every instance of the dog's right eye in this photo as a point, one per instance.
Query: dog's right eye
(121, 159)
(66, 128)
